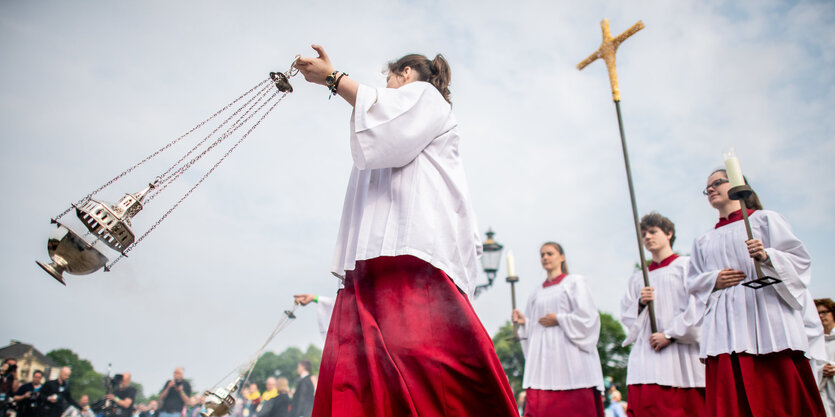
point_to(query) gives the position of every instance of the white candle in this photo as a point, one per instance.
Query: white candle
(733, 169)
(511, 264)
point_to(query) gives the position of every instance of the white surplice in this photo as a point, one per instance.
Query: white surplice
(677, 315)
(827, 385)
(408, 194)
(740, 319)
(324, 311)
(562, 357)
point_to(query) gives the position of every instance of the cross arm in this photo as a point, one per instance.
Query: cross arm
(629, 32)
(589, 60)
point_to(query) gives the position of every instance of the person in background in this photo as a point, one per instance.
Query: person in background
(324, 309)
(252, 397)
(755, 342)
(278, 406)
(196, 403)
(270, 392)
(8, 380)
(174, 395)
(303, 398)
(826, 312)
(123, 395)
(150, 409)
(664, 375)
(26, 396)
(55, 395)
(559, 333)
(617, 408)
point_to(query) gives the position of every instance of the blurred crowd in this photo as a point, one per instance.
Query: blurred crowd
(39, 398)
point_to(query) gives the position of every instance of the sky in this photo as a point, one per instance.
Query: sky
(87, 89)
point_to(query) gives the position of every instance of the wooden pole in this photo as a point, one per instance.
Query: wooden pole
(607, 50)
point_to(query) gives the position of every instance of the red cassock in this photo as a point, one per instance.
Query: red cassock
(775, 384)
(653, 400)
(404, 341)
(583, 402)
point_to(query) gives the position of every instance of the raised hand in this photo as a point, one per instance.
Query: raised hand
(315, 69)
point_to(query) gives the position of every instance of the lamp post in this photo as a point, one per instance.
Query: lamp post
(490, 260)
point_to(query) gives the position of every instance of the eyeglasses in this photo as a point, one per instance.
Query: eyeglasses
(822, 312)
(715, 184)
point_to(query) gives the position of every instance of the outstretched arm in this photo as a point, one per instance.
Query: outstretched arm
(317, 69)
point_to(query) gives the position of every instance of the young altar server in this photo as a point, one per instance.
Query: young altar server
(559, 333)
(754, 340)
(324, 309)
(826, 383)
(664, 374)
(404, 339)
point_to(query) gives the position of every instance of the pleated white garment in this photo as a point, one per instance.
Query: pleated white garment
(677, 315)
(408, 194)
(562, 357)
(741, 319)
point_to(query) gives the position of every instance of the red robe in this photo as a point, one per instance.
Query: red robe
(404, 341)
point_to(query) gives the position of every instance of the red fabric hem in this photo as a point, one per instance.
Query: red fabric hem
(653, 400)
(774, 384)
(404, 341)
(583, 402)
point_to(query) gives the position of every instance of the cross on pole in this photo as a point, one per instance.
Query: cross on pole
(607, 50)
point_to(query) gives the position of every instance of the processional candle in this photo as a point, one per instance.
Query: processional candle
(733, 170)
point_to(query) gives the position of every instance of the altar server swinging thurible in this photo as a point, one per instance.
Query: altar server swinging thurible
(324, 309)
(756, 343)
(559, 333)
(664, 376)
(404, 339)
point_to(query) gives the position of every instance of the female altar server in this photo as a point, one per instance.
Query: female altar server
(754, 340)
(826, 312)
(404, 339)
(664, 374)
(559, 339)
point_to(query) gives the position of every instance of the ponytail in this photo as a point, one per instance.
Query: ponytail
(435, 72)
(441, 76)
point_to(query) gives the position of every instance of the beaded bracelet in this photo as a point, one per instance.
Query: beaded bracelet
(333, 84)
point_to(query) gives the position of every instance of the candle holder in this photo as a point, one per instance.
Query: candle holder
(512, 280)
(740, 192)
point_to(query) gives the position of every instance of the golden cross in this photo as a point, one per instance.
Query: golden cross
(607, 51)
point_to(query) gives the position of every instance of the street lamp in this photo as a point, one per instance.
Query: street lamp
(491, 257)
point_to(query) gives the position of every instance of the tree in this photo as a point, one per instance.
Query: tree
(613, 356)
(284, 364)
(84, 379)
(510, 355)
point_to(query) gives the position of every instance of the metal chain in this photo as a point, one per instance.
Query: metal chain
(167, 146)
(249, 105)
(263, 91)
(247, 367)
(164, 216)
(244, 118)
